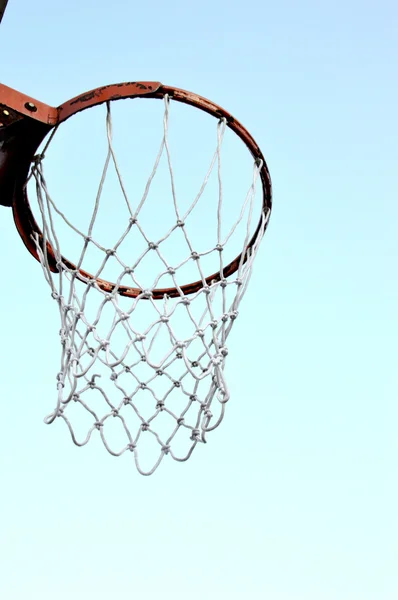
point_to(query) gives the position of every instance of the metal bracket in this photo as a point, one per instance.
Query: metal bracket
(18, 143)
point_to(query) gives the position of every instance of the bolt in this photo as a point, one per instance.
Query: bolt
(31, 107)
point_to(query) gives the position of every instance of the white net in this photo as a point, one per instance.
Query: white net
(146, 374)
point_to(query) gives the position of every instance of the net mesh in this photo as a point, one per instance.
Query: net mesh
(147, 375)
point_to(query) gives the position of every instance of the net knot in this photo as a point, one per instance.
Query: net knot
(75, 397)
(180, 223)
(144, 426)
(193, 397)
(115, 412)
(160, 405)
(159, 372)
(110, 252)
(143, 386)
(37, 159)
(217, 360)
(147, 294)
(164, 319)
(234, 315)
(200, 333)
(166, 449)
(185, 300)
(181, 421)
(133, 220)
(214, 324)
(140, 338)
(219, 247)
(171, 270)
(206, 289)
(238, 281)
(177, 383)
(224, 318)
(223, 283)
(223, 350)
(131, 447)
(153, 246)
(126, 401)
(195, 435)
(98, 425)
(92, 383)
(128, 270)
(195, 255)
(113, 376)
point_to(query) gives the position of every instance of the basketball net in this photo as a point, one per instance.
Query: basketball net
(109, 385)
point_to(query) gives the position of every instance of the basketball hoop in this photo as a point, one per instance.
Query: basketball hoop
(173, 399)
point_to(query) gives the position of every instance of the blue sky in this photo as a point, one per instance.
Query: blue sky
(295, 494)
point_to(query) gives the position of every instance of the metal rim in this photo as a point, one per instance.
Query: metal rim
(27, 225)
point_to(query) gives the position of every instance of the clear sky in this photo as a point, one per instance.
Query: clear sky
(295, 495)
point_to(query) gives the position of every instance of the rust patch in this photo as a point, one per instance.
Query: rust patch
(85, 98)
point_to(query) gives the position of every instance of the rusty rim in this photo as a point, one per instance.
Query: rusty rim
(50, 117)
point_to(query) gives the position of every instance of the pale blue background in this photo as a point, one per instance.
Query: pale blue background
(295, 495)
